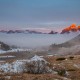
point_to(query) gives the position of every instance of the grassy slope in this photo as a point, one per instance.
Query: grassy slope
(70, 63)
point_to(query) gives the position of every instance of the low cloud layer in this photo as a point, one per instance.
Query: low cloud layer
(35, 40)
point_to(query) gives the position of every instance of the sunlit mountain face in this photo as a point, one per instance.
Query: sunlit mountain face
(72, 28)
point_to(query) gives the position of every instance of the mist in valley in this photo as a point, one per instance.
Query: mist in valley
(35, 40)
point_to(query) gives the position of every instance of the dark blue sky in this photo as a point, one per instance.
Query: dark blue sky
(38, 13)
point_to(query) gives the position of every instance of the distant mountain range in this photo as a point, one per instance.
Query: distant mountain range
(72, 28)
(27, 31)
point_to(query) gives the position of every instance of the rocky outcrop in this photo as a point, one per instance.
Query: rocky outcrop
(52, 32)
(38, 65)
(10, 31)
(4, 46)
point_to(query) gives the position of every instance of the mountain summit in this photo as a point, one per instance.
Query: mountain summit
(72, 28)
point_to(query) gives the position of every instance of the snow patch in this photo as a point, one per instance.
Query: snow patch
(7, 56)
(49, 55)
(36, 58)
(77, 65)
(14, 50)
(19, 66)
(14, 67)
(7, 77)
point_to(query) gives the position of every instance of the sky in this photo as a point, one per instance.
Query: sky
(38, 13)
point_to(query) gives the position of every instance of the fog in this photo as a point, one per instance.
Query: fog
(71, 50)
(35, 40)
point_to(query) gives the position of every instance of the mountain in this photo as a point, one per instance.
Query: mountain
(14, 31)
(72, 42)
(10, 31)
(4, 46)
(68, 48)
(27, 31)
(33, 31)
(72, 28)
(3, 31)
(52, 32)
